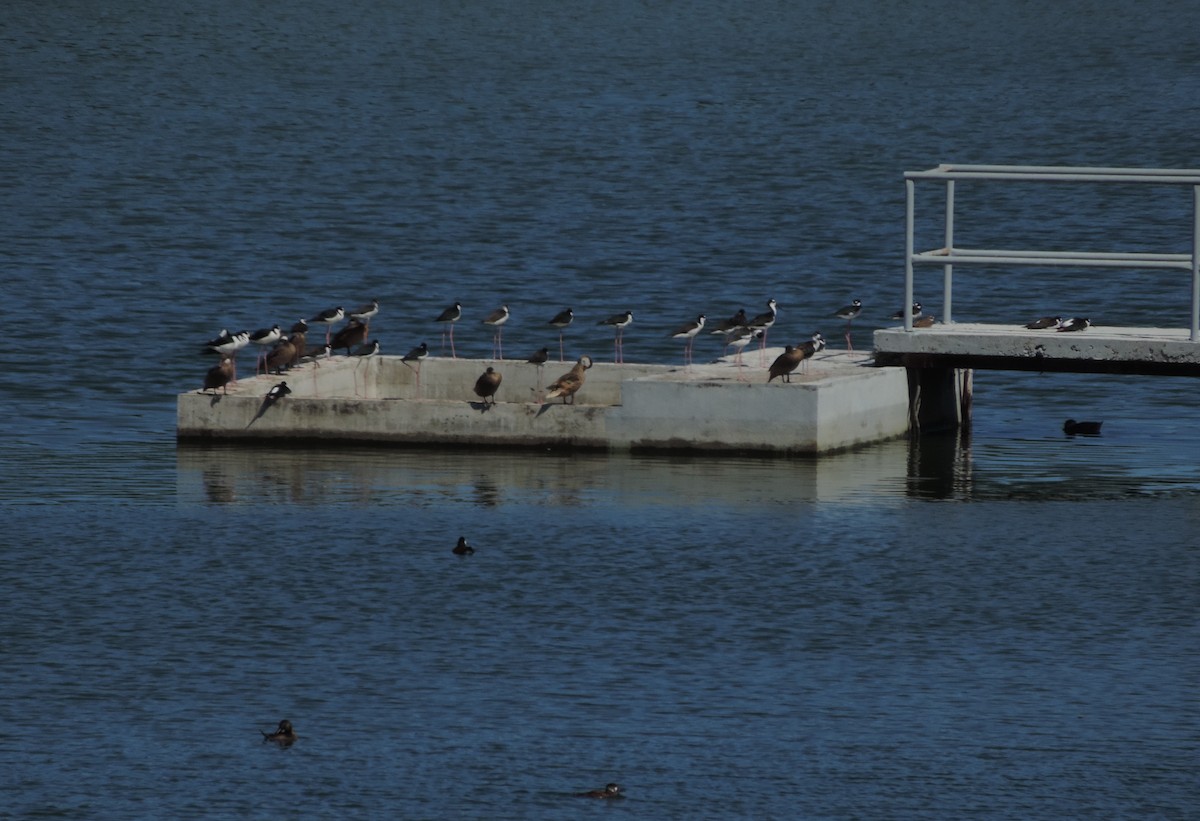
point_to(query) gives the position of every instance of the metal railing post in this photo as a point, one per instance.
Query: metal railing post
(948, 269)
(1195, 334)
(909, 193)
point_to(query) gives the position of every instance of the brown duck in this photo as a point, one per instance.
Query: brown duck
(569, 384)
(219, 376)
(487, 384)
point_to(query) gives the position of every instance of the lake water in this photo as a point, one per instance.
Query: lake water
(1003, 626)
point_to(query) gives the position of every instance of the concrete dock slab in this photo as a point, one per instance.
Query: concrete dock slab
(841, 402)
(1098, 349)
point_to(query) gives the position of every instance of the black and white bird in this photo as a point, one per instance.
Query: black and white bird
(848, 313)
(264, 337)
(227, 345)
(1075, 324)
(916, 312)
(688, 331)
(496, 319)
(728, 326)
(1044, 322)
(279, 391)
(738, 340)
(449, 317)
(418, 355)
(329, 317)
(365, 313)
(561, 320)
(619, 322)
(462, 548)
(763, 322)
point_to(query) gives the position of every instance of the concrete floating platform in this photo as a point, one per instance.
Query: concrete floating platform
(1099, 349)
(840, 403)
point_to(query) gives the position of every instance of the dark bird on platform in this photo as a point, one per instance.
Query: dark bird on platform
(283, 355)
(540, 357)
(569, 383)
(561, 320)
(219, 376)
(792, 357)
(449, 317)
(926, 321)
(462, 548)
(688, 331)
(496, 319)
(609, 791)
(352, 335)
(279, 391)
(329, 317)
(848, 313)
(1075, 324)
(368, 350)
(418, 355)
(619, 322)
(300, 326)
(314, 353)
(487, 384)
(283, 736)
(1071, 428)
(1044, 322)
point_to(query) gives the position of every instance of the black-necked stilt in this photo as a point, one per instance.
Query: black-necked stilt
(763, 322)
(561, 320)
(738, 340)
(496, 319)
(279, 391)
(1075, 324)
(728, 326)
(462, 548)
(314, 353)
(365, 313)
(539, 358)
(810, 348)
(300, 326)
(418, 355)
(364, 354)
(848, 313)
(264, 337)
(1071, 428)
(916, 312)
(227, 344)
(1044, 322)
(353, 335)
(487, 384)
(283, 736)
(219, 376)
(688, 331)
(329, 317)
(610, 790)
(620, 322)
(450, 316)
(569, 383)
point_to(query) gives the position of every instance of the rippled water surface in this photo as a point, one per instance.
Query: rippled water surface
(1002, 625)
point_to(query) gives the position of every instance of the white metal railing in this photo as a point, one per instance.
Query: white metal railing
(948, 255)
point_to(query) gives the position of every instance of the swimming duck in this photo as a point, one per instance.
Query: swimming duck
(1071, 427)
(462, 548)
(610, 791)
(283, 736)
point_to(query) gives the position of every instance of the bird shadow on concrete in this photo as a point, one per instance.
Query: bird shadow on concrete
(482, 407)
(267, 403)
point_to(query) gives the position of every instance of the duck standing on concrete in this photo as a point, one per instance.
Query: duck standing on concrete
(569, 384)
(283, 355)
(926, 321)
(352, 335)
(487, 384)
(449, 317)
(793, 357)
(219, 376)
